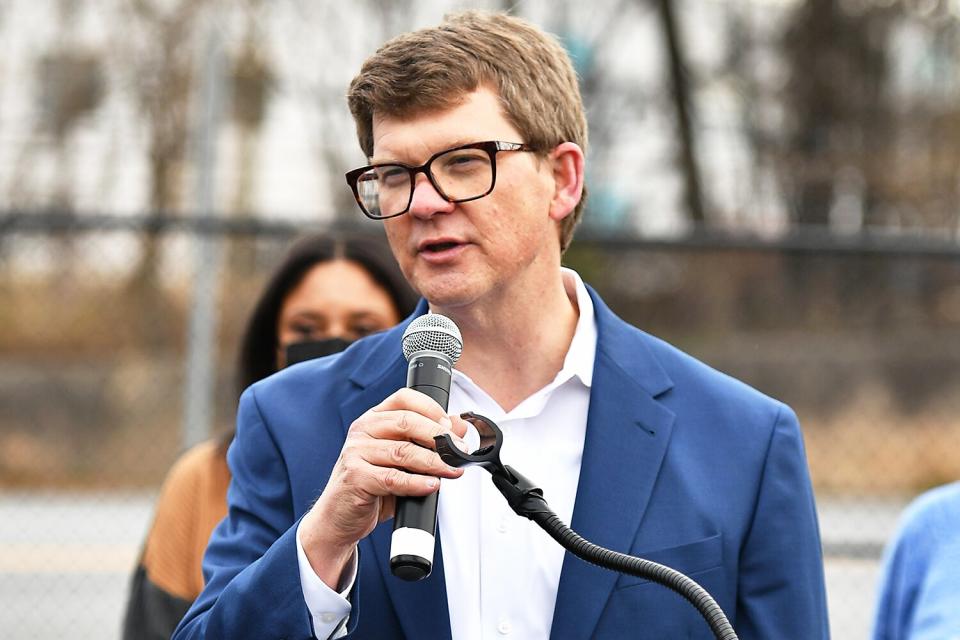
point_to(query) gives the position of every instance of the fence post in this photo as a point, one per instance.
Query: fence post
(201, 339)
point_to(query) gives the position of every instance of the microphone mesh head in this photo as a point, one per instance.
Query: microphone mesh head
(433, 332)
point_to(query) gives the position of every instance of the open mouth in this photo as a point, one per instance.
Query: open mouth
(439, 247)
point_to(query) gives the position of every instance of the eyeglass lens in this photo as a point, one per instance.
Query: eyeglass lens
(459, 174)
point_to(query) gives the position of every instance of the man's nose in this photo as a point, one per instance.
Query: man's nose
(426, 200)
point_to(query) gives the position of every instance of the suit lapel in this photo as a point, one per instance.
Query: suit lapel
(627, 435)
(421, 606)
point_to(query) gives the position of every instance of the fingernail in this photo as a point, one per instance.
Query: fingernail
(445, 422)
(432, 482)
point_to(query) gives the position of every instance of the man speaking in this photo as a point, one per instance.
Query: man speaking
(475, 136)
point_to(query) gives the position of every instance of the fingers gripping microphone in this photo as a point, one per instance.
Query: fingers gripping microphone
(431, 345)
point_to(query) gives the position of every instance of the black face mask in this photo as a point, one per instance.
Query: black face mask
(310, 349)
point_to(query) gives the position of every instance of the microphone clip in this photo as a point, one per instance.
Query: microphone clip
(525, 498)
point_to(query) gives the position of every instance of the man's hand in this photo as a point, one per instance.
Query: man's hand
(389, 452)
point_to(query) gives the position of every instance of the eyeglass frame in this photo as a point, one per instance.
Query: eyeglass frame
(492, 147)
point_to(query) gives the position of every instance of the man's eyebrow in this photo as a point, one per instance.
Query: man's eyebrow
(388, 160)
(453, 144)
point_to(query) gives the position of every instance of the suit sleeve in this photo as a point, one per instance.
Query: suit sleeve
(250, 566)
(781, 591)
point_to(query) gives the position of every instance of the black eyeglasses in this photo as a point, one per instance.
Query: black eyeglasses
(461, 174)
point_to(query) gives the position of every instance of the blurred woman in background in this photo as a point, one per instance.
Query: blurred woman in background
(326, 294)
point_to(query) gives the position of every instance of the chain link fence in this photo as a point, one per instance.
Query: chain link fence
(858, 335)
(817, 125)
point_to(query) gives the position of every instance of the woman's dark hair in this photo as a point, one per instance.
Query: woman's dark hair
(258, 349)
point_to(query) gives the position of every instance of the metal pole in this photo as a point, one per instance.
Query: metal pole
(201, 338)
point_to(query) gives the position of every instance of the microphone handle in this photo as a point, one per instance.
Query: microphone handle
(415, 523)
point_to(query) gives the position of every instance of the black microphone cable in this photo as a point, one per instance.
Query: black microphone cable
(527, 500)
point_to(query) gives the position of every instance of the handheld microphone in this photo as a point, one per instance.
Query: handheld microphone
(431, 345)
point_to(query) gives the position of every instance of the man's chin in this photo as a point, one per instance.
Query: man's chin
(449, 297)
(446, 304)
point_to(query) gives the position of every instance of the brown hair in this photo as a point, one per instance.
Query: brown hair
(431, 69)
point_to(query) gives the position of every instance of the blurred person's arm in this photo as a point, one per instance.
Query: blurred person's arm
(920, 581)
(903, 570)
(168, 577)
(152, 613)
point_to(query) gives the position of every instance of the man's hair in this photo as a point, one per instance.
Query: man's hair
(432, 69)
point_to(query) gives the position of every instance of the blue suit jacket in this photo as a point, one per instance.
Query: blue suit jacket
(681, 464)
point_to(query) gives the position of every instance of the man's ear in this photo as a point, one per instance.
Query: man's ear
(567, 162)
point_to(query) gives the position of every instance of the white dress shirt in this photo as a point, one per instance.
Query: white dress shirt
(502, 571)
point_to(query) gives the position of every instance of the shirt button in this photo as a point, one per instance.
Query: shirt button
(329, 617)
(502, 527)
(504, 627)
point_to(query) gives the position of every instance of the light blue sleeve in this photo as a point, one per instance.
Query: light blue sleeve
(937, 614)
(919, 590)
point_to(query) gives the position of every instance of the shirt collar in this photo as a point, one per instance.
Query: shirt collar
(582, 351)
(583, 347)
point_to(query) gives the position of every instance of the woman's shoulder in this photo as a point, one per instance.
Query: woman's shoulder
(193, 464)
(934, 514)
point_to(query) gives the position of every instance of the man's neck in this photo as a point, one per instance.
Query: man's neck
(514, 347)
